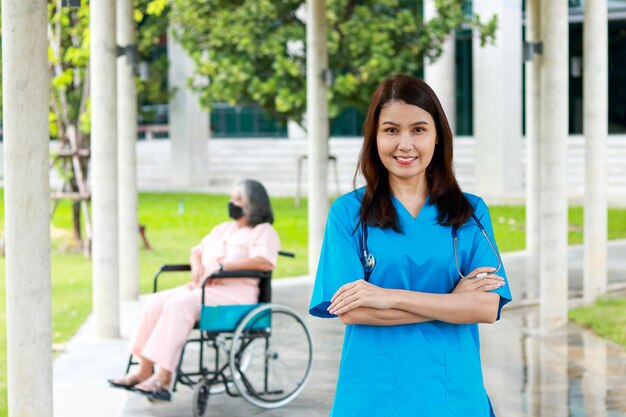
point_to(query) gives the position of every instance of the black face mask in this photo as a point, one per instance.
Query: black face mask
(234, 211)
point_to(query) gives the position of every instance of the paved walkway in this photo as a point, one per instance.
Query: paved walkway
(528, 374)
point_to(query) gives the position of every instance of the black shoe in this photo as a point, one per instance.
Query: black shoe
(120, 383)
(159, 395)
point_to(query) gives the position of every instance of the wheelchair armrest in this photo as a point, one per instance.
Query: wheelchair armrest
(169, 268)
(242, 273)
(223, 274)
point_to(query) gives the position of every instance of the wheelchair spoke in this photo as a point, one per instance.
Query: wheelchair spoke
(277, 358)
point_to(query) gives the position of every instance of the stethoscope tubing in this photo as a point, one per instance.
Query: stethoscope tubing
(369, 261)
(455, 238)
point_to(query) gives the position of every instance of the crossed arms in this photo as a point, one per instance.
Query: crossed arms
(360, 302)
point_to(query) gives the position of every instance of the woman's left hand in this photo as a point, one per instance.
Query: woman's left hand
(359, 293)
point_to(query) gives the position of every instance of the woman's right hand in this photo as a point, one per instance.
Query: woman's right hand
(197, 272)
(489, 282)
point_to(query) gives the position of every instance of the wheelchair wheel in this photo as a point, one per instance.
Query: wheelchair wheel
(271, 356)
(218, 388)
(200, 402)
(244, 362)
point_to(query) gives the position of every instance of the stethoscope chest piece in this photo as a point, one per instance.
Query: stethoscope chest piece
(368, 261)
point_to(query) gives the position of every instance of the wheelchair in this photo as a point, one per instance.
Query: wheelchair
(262, 352)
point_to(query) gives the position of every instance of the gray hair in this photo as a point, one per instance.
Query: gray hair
(256, 202)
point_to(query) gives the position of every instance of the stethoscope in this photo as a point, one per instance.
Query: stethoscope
(369, 261)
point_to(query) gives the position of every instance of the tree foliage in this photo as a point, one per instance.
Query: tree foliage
(68, 57)
(68, 63)
(255, 50)
(68, 54)
(152, 24)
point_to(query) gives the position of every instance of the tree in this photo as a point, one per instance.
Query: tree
(152, 22)
(68, 53)
(254, 50)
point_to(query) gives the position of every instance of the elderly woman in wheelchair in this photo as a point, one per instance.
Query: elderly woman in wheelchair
(249, 242)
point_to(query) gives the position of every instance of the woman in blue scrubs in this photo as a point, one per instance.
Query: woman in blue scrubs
(411, 345)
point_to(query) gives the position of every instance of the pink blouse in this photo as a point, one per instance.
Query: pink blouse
(228, 242)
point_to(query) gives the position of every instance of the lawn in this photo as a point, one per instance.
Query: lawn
(607, 317)
(175, 222)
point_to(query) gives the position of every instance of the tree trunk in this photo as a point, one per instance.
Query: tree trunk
(76, 219)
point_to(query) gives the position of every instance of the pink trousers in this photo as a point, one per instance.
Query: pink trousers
(169, 316)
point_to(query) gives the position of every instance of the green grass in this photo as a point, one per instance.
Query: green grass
(606, 317)
(509, 226)
(172, 233)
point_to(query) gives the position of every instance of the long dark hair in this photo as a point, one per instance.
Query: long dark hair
(376, 205)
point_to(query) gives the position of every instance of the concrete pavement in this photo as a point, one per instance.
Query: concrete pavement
(527, 374)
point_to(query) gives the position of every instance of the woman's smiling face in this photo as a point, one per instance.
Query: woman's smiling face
(405, 139)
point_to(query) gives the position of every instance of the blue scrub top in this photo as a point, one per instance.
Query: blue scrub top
(427, 369)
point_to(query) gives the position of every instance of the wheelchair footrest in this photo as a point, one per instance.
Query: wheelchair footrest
(278, 392)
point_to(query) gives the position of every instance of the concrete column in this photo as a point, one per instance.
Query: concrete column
(27, 207)
(104, 169)
(318, 127)
(533, 131)
(188, 122)
(127, 160)
(497, 73)
(441, 74)
(595, 129)
(553, 199)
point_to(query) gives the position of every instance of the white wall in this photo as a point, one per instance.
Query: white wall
(274, 162)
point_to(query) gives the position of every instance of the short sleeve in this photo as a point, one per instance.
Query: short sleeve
(339, 261)
(483, 255)
(265, 243)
